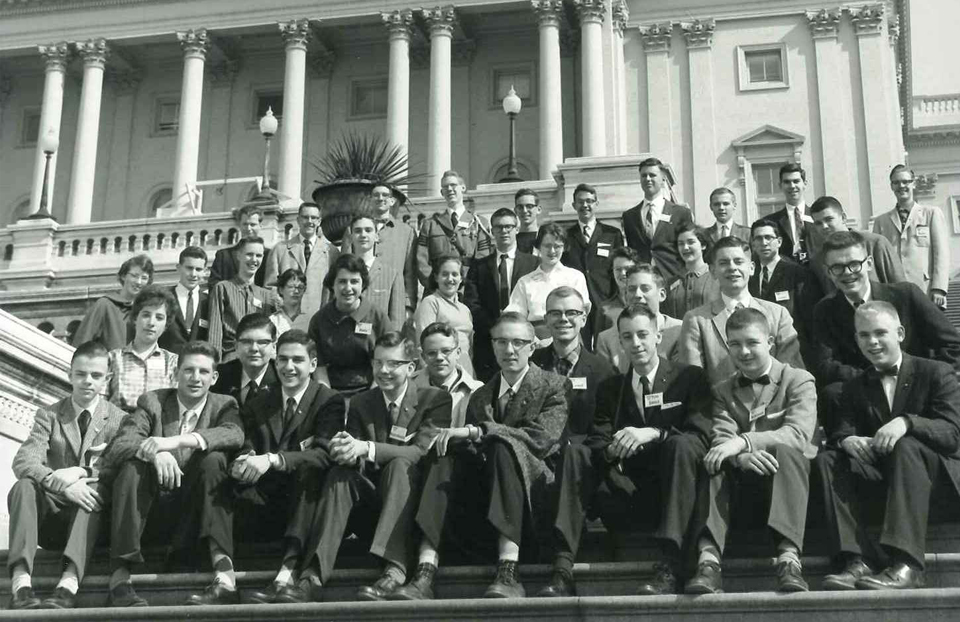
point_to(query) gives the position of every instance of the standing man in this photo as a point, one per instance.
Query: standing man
(796, 225)
(253, 371)
(310, 252)
(455, 230)
(191, 319)
(723, 204)
(526, 204)
(651, 227)
(226, 263)
(919, 233)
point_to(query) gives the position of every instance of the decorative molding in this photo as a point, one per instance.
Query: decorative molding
(926, 185)
(699, 32)
(868, 19)
(824, 24)
(569, 42)
(94, 52)
(440, 19)
(194, 43)
(463, 52)
(893, 30)
(55, 55)
(123, 82)
(549, 12)
(933, 137)
(656, 37)
(399, 23)
(589, 11)
(295, 33)
(621, 15)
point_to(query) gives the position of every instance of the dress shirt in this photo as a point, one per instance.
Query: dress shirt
(460, 209)
(588, 228)
(770, 268)
(890, 383)
(794, 226)
(188, 427)
(371, 446)
(572, 357)
(511, 256)
(866, 297)
(529, 297)
(766, 372)
(730, 304)
(245, 380)
(656, 206)
(92, 408)
(637, 388)
(182, 294)
(296, 396)
(504, 387)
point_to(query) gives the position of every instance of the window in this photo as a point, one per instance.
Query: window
(520, 77)
(766, 181)
(368, 98)
(30, 127)
(763, 67)
(167, 115)
(264, 99)
(159, 199)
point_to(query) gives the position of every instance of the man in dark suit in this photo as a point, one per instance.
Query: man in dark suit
(897, 436)
(723, 204)
(227, 260)
(651, 226)
(375, 484)
(526, 205)
(254, 370)
(191, 319)
(568, 357)
(57, 480)
(157, 459)
(491, 475)
(287, 429)
(643, 451)
(486, 293)
(796, 225)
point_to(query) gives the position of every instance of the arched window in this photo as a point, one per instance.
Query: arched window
(160, 198)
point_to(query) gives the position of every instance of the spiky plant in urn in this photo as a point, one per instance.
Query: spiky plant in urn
(353, 166)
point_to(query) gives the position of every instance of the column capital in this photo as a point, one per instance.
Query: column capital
(824, 24)
(699, 32)
(440, 19)
(656, 37)
(56, 55)
(893, 30)
(295, 33)
(549, 12)
(589, 11)
(621, 15)
(123, 82)
(399, 23)
(94, 52)
(194, 43)
(868, 19)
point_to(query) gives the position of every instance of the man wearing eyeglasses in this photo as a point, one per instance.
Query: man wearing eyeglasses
(526, 205)
(919, 233)
(440, 351)
(253, 370)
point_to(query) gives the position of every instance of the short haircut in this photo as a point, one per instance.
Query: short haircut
(792, 167)
(648, 162)
(295, 335)
(90, 350)
(137, 261)
(381, 184)
(636, 309)
(765, 222)
(201, 348)
(252, 240)
(361, 214)
(878, 307)
(553, 229)
(645, 268)
(305, 205)
(192, 252)
(842, 240)
(624, 252)
(393, 339)
(504, 212)
(748, 316)
(731, 241)
(899, 168)
(825, 203)
(582, 187)
(152, 295)
(452, 173)
(522, 192)
(512, 317)
(350, 263)
(246, 211)
(565, 291)
(291, 273)
(256, 321)
(723, 190)
(439, 328)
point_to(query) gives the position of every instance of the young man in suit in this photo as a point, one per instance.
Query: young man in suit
(287, 429)
(191, 318)
(310, 251)
(796, 225)
(526, 205)
(493, 472)
(57, 480)
(375, 484)
(254, 369)
(487, 287)
(896, 438)
(723, 204)
(651, 227)
(764, 417)
(643, 451)
(703, 338)
(226, 262)
(568, 357)
(440, 351)
(920, 235)
(156, 462)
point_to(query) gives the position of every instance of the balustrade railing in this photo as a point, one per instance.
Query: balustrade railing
(936, 110)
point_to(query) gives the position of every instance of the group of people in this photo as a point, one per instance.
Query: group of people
(480, 389)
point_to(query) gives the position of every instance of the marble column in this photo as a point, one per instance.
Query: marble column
(621, 15)
(590, 13)
(55, 56)
(893, 73)
(440, 21)
(703, 137)
(398, 24)
(194, 44)
(656, 39)
(549, 13)
(295, 34)
(80, 206)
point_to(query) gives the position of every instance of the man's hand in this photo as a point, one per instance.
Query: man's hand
(860, 448)
(347, 450)
(61, 479)
(250, 468)
(628, 441)
(446, 435)
(81, 494)
(939, 298)
(727, 449)
(168, 471)
(760, 462)
(887, 436)
(155, 444)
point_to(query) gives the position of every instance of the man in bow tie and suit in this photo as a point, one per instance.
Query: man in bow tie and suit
(254, 370)
(643, 451)
(723, 204)
(191, 318)
(57, 480)
(764, 417)
(895, 448)
(226, 262)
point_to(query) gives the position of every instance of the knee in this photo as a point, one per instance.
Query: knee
(907, 449)
(685, 448)
(23, 490)
(214, 466)
(497, 450)
(399, 465)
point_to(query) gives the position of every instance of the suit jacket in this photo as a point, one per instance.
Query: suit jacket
(305, 439)
(784, 413)
(54, 441)
(289, 254)
(592, 258)
(398, 248)
(789, 246)
(923, 245)
(796, 289)
(424, 411)
(230, 374)
(590, 370)
(685, 407)
(471, 240)
(736, 230)
(225, 266)
(703, 337)
(177, 333)
(661, 251)
(928, 332)
(608, 344)
(887, 267)
(386, 291)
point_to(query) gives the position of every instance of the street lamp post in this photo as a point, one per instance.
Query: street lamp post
(268, 127)
(511, 106)
(49, 143)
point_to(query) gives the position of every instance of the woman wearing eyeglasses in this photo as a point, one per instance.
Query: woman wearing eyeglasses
(444, 305)
(108, 320)
(290, 286)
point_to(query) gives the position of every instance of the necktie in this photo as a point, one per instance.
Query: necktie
(889, 371)
(586, 233)
(393, 413)
(504, 283)
(563, 367)
(189, 422)
(190, 309)
(743, 381)
(644, 392)
(503, 402)
(84, 422)
(290, 410)
(307, 250)
(252, 389)
(904, 216)
(454, 220)
(648, 219)
(764, 277)
(723, 231)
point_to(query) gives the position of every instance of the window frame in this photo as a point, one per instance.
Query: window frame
(253, 121)
(743, 69)
(776, 199)
(355, 83)
(158, 102)
(24, 113)
(496, 102)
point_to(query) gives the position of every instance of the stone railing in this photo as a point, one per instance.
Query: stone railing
(936, 110)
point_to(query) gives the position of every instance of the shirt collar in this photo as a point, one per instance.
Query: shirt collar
(656, 203)
(511, 254)
(196, 409)
(245, 379)
(452, 380)
(866, 296)
(143, 356)
(296, 397)
(773, 264)
(77, 408)
(650, 377)
(399, 400)
(460, 209)
(898, 364)
(504, 387)
(184, 292)
(700, 272)
(729, 303)
(766, 372)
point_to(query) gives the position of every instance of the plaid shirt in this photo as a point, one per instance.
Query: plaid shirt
(133, 376)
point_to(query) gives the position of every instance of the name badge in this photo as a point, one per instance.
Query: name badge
(664, 218)
(757, 412)
(398, 433)
(306, 444)
(653, 399)
(603, 252)
(675, 285)
(579, 384)
(363, 328)
(781, 296)
(923, 233)
(258, 303)
(204, 323)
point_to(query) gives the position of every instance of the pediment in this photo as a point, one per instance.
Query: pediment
(768, 135)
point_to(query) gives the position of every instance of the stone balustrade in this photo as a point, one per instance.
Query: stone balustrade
(936, 110)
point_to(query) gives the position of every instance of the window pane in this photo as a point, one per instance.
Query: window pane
(271, 100)
(772, 67)
(764, 66)
(168, 116)
(519, 79)
(31, 128)
(369, 98)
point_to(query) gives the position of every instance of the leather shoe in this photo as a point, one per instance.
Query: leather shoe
(380, 590)
(847, 580)
(897, 577)
(707, 580)
(507, 582)
(124, 596)
(790, 578)
(214, 594)
(664, 582)
(268, 595)
(420, 587)
(561, 584)
(25, 599)
(305, 591)
(60, 599)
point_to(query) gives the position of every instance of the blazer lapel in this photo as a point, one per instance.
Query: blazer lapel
(97, 419)
(71, 430)
(720, 324)
(275, 421)
(306, 403)
(902, 390)
(665, 374)
(170, 415)
(295, 249)
(408, 417)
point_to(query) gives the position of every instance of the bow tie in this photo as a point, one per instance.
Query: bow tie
(743, 381)
(889, 371)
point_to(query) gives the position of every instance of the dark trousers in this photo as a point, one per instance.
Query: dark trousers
(39, 517)
(781, 497)
(899, 485)
(372, 502)
(661, 479)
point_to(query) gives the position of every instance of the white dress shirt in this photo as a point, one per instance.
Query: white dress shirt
(529, 297)
(182, 294)
(638, 389)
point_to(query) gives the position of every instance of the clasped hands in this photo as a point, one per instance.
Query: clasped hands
(868, 449)
(346, 450)
(74, 485)
(248, 468)
(758, 461)
(628, 441)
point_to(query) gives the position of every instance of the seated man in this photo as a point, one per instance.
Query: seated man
(440, 351)
(566, 355)
(764, 416)
(643, 452)
(375, 485)
(56, 476)
(896, 437)
(496, 471)
(287, 428)
(157, 457)
(254, 370)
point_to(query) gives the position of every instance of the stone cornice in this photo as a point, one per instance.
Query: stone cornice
(399, 23)
(933, 137)
(589, 11)
(295, 33)
(194, 43)
(699, 32)
(868, 19)
(621, 15)
(824, 23)
(440, 19)
(549, 12)
(94, 52)
(56, 55)
(656, 37)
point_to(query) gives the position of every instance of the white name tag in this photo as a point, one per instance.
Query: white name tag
(579, 384)
(654, 399)
(664, 218)
(923, 233)
(258, 303)
(306, 444)
(363, 328)
(603, 252)
(204, 323)
(398, 433)
(781, 296)
(758, 412)
(675, 284)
